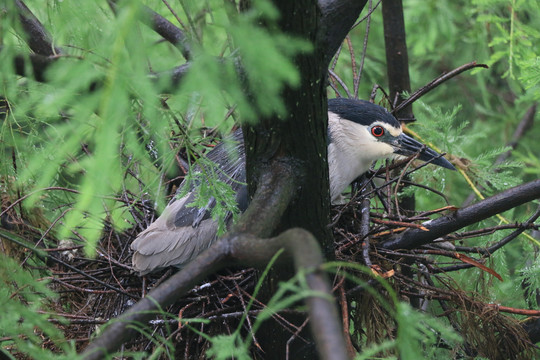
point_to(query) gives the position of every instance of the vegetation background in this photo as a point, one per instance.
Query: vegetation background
(87, 151)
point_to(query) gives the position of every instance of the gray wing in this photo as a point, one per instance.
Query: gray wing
(183, 232)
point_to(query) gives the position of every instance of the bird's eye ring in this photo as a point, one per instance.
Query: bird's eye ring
(377, 131)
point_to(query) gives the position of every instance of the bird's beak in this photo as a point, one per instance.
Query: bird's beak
(407, 146)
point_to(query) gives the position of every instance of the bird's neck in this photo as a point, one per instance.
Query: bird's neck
(346, 157)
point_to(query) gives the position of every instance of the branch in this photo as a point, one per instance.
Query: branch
(121, 330)
(299, 244)
(276, 189)
(38, 38)
(338, 17)
(484, 209)
(490, 250)
(216, 257)
(433, 84)
(167, 30)
(397, 69)
(397, 60)
(163, 27)
(40, 43)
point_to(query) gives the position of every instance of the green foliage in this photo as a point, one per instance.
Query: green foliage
(98, 126)
(227, 347)
(99, 97)
(419, 334)
(24, 319)
(530, 277)
(100, 117)
(209, 187)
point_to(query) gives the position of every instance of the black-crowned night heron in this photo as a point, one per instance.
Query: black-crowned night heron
(359, 133)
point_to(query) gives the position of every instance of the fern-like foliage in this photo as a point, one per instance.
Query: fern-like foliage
(25, 303)
(100, 116)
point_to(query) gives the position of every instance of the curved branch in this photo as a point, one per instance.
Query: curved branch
(163, 27)
(165, 294)
(167, 30)
(484, 209)
(306, 254)
(338, 17)
(300, 246)
(275, 191)
(274, 185)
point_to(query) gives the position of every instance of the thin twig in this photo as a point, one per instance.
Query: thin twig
(341, 82)
(364, 224)
(356, 79)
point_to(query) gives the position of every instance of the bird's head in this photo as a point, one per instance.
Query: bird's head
(369, 132)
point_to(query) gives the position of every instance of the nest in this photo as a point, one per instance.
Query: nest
(100, 289)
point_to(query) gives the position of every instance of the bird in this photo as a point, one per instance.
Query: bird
(359, 133)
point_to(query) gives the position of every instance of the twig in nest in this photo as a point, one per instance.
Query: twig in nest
(345, 318)
(431, 212)
(400, 223)
(390, 232)
(364, 223)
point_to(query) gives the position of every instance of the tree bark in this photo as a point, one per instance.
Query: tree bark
(303, 132)
(397, 68)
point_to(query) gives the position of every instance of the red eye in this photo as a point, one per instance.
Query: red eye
(377, 131)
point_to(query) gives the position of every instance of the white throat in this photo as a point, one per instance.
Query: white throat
(350, 154)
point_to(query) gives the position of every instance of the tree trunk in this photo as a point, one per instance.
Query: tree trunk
(303, 133)
(397, 68)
